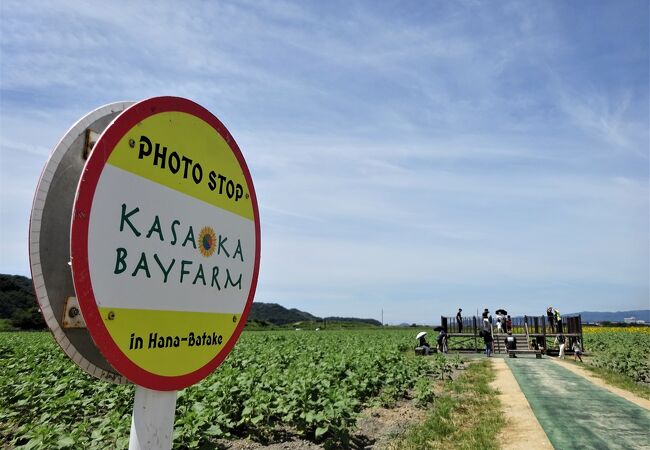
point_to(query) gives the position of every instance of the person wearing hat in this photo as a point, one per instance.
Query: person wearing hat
(487, 318)
(459, 320)
(422, 342)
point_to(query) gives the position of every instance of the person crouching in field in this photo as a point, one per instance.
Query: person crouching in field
(422, 342)
(561, 341)
(577, 350)
(511, 342)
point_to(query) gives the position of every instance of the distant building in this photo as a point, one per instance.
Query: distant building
(630, 320)
(640, 322)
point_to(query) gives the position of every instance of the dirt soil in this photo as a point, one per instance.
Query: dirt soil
(246, 444)
(520, 419)
(376, 427)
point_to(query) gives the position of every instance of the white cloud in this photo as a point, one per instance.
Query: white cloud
(466, 145)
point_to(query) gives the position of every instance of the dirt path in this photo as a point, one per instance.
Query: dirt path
(577, 414)
(520, 418)
(642, 402)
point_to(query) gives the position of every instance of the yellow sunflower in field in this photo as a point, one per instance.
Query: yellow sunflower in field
(587, 329)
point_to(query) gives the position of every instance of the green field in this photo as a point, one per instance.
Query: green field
(312, 383)
(623, 350)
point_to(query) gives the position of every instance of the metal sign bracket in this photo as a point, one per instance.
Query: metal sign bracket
(72, 317)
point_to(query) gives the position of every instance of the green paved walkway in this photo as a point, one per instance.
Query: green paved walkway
(577, 414)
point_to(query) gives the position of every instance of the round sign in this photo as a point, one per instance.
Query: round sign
(49, 245)
(165, 243)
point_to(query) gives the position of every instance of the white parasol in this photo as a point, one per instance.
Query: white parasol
(421, 334)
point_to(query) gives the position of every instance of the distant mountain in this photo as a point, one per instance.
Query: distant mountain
(279, 315)
(618, 316)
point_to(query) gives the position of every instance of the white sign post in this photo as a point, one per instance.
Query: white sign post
(152, 424)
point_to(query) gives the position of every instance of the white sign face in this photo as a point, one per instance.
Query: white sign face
(49, 245)
(165, 243)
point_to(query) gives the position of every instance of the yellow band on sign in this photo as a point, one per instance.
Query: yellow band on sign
(151, 339)
(185, 161)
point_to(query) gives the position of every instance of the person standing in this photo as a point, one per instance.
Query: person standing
(459, 320)
(558, 320)
(487, 315)
(509, 324)
(561, 341)
(488, 341)
(442, 341)
(577, 350)
(486, 325)
(486, 322)
(551, 318)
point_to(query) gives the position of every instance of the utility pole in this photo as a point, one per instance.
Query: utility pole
(382, 317)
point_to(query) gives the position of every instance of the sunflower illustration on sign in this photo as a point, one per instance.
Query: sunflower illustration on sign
(207, 241)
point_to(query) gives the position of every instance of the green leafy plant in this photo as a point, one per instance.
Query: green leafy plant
(308, 383)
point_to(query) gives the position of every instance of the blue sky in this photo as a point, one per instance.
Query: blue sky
(408, 156)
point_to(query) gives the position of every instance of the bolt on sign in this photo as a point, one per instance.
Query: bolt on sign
(165, 243)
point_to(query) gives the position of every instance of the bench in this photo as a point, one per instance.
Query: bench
(513, 353)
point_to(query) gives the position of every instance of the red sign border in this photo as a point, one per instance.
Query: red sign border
(102, 150)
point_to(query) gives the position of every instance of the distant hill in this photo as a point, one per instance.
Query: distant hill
(279, 315)
(618, 316)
